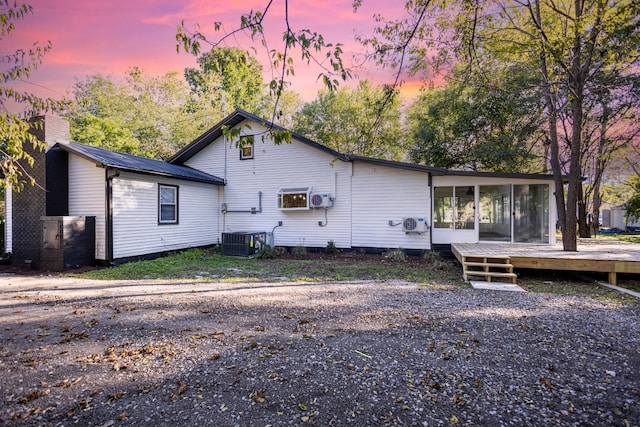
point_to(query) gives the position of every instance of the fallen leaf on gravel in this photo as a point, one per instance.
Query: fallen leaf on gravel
(29, 397)
(458, 399)
(453, 420)
(67, 382)
(302, 406)
(258, 396)
(118, 366)
(115, 396)
(29, 361)
(546, 381)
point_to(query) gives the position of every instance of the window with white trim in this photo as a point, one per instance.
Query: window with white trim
(294, 198)
(246, 152)
(167, 204)
(246, 148)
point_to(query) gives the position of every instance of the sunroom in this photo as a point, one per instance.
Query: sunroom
(486, 207)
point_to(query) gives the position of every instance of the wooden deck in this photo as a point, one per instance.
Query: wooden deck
(595, 255)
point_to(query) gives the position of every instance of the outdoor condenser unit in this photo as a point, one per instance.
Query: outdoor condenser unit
(243, 243)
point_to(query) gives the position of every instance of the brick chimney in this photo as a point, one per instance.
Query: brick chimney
(30, 204)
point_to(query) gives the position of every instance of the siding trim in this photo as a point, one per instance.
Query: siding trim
(108, 178)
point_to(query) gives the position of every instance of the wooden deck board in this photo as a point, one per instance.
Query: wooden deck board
(608, 256)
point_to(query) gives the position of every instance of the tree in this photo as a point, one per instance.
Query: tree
(15, 126)
(344, 121)
(478, 123)
(610, 129)
(311, 46)
(566, 42)
(237, 73)
(149, 116)
(633, 205)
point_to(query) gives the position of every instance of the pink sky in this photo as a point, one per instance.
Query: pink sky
(109, 37)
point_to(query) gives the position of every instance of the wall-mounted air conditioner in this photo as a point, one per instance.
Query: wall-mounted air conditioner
(414, 225)
(320, 200)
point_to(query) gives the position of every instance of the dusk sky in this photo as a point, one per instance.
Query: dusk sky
(110, 37)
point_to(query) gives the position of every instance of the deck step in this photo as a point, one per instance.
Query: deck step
(489, 267)
(491, 274)
(487, 264)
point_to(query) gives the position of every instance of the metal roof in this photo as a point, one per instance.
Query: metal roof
(239, 115)
(233, 120)
(443, 171)
(128, 162)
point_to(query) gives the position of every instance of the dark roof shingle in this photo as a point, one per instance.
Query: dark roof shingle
(138, 164)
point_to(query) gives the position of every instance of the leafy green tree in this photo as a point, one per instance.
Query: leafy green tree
(311, 46)
(633, 205)
(16, 106)
(232, 71)
(149, 116)
(350, 121)
(565, 42)
(477, 123)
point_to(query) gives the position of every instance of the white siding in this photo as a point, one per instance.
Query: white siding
(8, 220)
(135, 216)
(274, 167)
(87, 197)
(382, 194)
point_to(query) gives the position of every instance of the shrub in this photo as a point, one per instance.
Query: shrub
(191, 254)
(396, 254)
(331, 248)
(266, 252)
(299, 250)
(435, 260)
(280, 250)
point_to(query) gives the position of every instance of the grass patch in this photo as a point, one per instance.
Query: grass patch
(207, 265)
(631, 238)
(431, 271)
(568, 284)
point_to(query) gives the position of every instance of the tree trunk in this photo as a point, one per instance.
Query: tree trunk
(583, 225)
(554, 147)
(600, 165)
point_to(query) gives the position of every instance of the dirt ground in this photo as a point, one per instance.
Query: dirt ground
(79, 352)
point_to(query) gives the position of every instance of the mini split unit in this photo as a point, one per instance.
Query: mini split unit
(320, 200)
(414, 225)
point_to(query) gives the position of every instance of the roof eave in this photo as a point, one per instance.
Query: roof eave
(234, 119)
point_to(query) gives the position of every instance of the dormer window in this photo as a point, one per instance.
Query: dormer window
(246, 149)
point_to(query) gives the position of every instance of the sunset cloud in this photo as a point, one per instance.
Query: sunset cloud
(110, 37)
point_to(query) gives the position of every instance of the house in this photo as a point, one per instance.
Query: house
(299, 194)
(137, 204)
(308, 195)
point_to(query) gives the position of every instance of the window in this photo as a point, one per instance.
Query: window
(443, 207)
(167, 204)
(465, 208)
(294, 198)
(246, 149)
(454, 207)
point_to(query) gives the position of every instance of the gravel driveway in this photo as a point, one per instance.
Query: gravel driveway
(153, 353)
